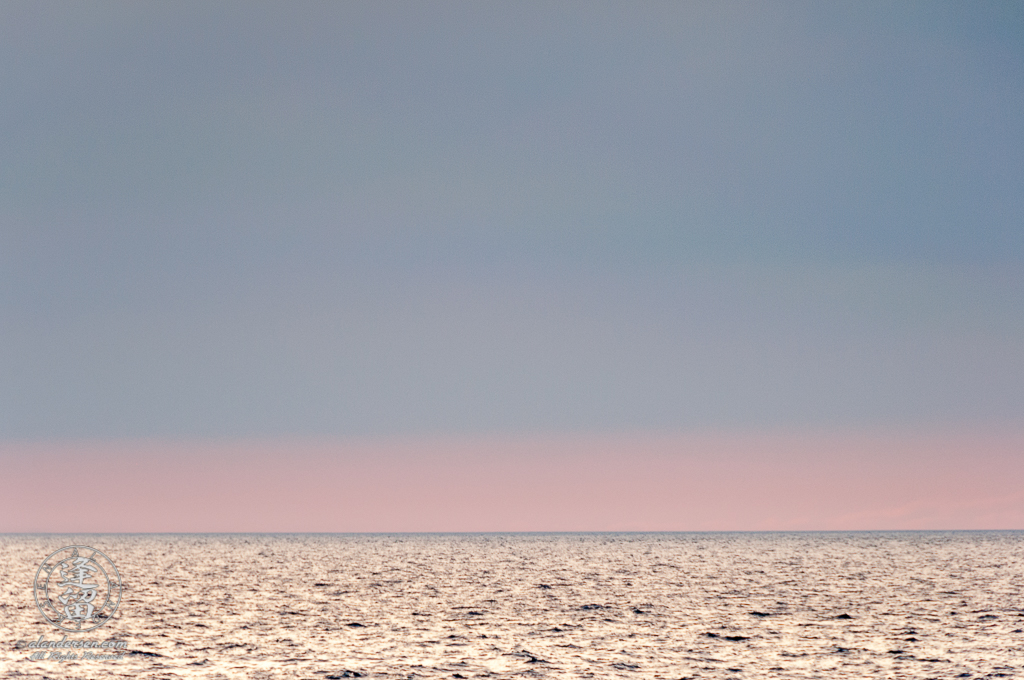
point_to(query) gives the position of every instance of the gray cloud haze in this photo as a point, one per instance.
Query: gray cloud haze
(247, 219)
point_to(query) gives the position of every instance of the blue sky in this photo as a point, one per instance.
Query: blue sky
(376, 219)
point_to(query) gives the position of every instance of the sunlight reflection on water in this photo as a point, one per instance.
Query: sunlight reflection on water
(798, 605)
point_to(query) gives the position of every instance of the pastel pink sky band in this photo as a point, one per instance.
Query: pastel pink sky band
(708, 482)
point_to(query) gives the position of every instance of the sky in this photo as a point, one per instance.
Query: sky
(526, 246)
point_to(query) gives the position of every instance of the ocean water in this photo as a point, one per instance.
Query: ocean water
(759, 605)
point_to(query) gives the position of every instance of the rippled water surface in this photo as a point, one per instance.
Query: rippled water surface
(857, 605)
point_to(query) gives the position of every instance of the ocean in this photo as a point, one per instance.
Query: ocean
(629, 605)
